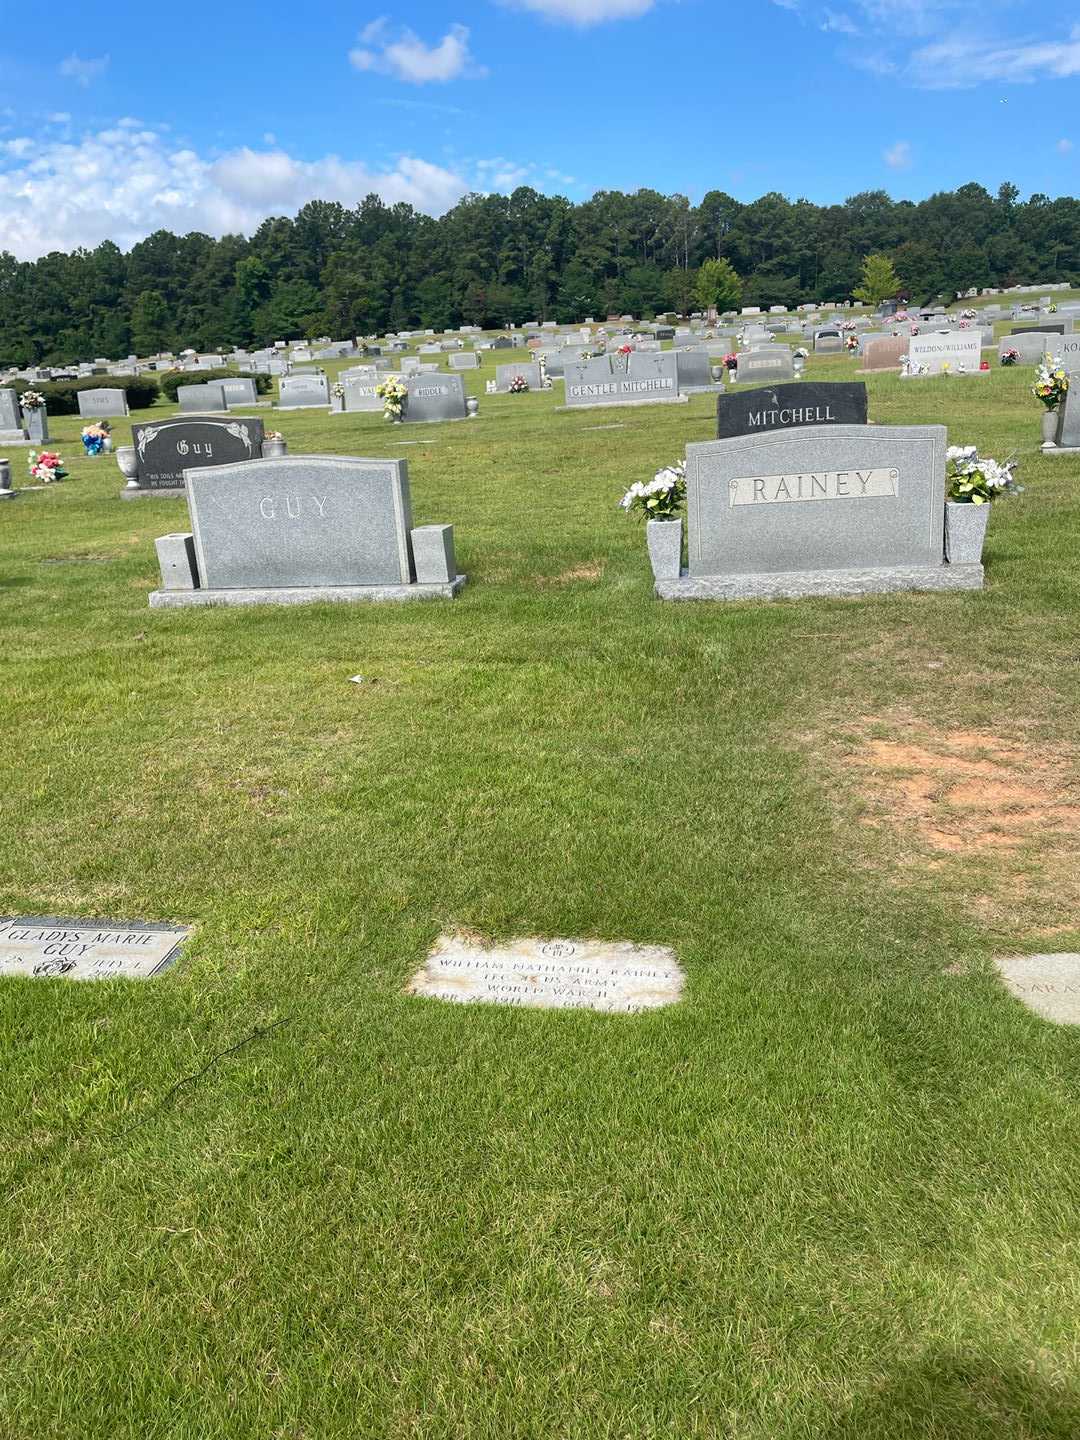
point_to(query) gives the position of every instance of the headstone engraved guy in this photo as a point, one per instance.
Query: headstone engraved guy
(304, 528)
(166, 448)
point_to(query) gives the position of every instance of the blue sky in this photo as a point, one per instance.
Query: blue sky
(211, 117)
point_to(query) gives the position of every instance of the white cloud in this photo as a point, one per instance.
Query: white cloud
(58, 117)
(587, 12)
(1064, 147)
(83, 71)
(408, 58)
(962, 61)
(121, 184)
(898, 156)
(839, 24)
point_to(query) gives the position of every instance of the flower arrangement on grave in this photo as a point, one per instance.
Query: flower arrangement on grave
(273, 435)
(974, 479)
(1051, 309)
(1051, 383)
(46, 466)
(902, 317)
(518, 385)
(851, 343)
(661, 498)
(848, 325)
(731, 361)
(946, 367)
(984, 365)
(968, 314)
(31, 400)
(94, 436)
(1010, 357)
(909, 367)
(800, 353)
(393, 392)
(338, 390)
(914, 329)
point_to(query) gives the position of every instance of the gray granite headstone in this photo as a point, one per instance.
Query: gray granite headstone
(166, 448)
(1067, 350)
(303, 392)
(1059, 327)
(10, 414)
(435, 397)
(505, 373)
(466, 360)
(199, 399)
(238, 391)
(694, 369)
(828, 341)
(962, 347)
(1068, 431)
(360, 394)
(1031, 346)
(845, 497)
(648, 379)
(45, 947)
(1047, 984)
(312, 520)
(101, 404)
(776, 363)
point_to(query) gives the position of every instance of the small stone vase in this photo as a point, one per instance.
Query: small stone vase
(664, 539)
(1049, 429)
(37, 425)
(125, 459)
(273, 449)
(6, 492)
(472, 407)
(965, 532)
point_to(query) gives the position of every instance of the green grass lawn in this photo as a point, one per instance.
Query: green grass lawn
(832, 1195)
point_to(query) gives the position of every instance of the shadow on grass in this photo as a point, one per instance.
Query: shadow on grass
(950, 1397)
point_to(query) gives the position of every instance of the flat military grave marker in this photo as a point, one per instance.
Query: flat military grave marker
(44, 947)
(785, 407)
(1047, 984)
(618, 978)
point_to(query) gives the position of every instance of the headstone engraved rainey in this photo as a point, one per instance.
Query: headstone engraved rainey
(826, 510)
(166, 448)
(618, 978)
(44, 947)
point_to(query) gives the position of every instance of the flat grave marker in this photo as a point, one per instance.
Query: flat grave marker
(617, 978)
(1047, 984)
(45, 947)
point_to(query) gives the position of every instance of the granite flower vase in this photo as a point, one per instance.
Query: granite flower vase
(37, 426)
(965, 532)
(1049, 428)
(664, 539)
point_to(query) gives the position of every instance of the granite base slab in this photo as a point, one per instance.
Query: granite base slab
(166, 492)
(1059, 450)
(22, 444)
(941, 375)
(623, 404)
(792, 584)
(306, 595)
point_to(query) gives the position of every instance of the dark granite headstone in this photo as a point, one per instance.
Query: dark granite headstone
(1058, 329)
(165, 449)
(786, 407)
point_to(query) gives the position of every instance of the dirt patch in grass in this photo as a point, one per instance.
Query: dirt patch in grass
(592, 571)
(997, 817)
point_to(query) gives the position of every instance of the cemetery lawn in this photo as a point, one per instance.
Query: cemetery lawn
(832, 1195)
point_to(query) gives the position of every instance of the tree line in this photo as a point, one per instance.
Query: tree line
(499, 259)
